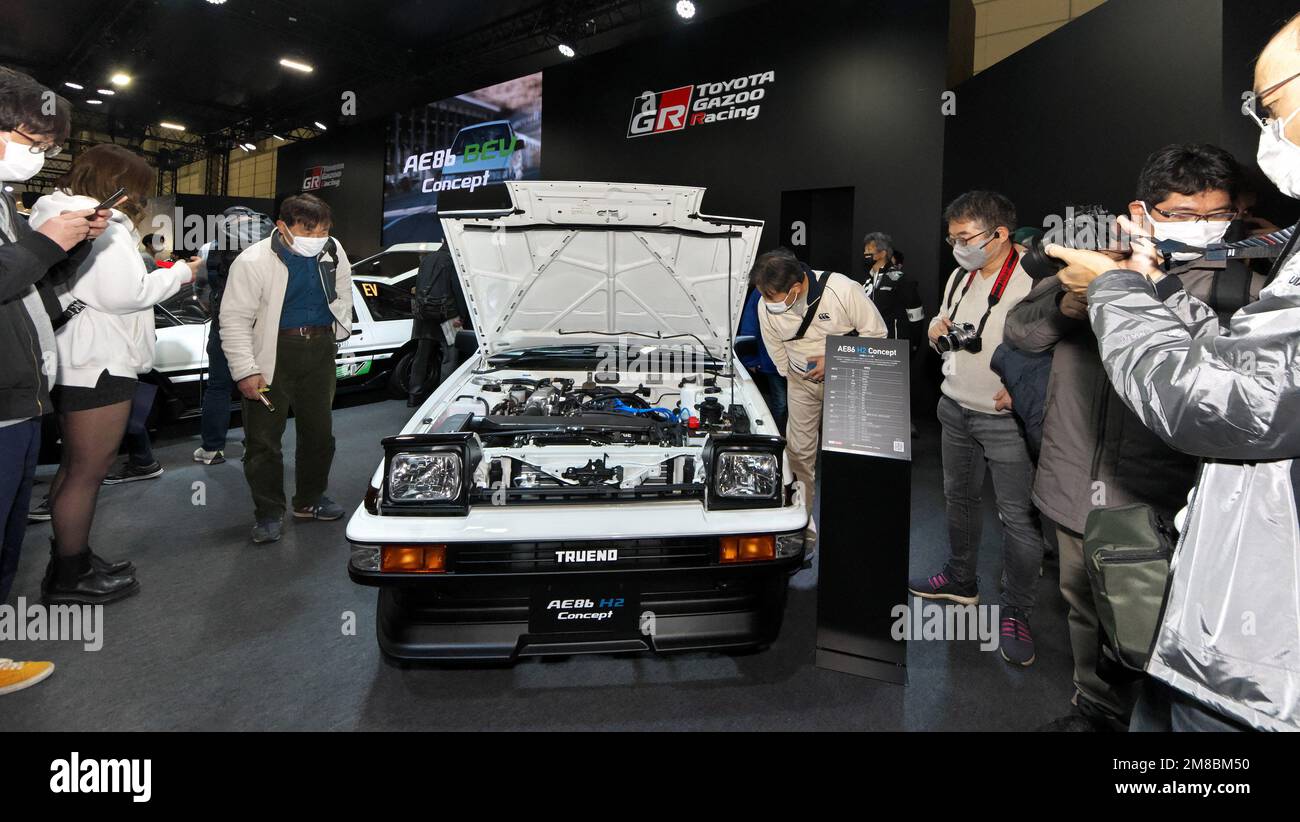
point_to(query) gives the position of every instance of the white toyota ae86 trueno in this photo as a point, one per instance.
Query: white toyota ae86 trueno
(602, 475)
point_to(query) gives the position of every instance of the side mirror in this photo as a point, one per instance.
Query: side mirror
(747, 347)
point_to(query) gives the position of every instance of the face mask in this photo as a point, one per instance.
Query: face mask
(783, 307)
(972, 257)
(19, 164)
(308, 246)
(1196, 233)
(1279, 158)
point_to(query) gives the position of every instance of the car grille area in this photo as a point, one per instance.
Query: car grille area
(581, 555)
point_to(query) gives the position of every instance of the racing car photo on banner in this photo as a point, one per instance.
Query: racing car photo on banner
(463, 143)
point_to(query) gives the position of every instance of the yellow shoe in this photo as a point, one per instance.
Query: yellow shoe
(14, 676)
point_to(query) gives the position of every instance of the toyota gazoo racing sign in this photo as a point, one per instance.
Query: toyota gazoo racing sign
(702, 104)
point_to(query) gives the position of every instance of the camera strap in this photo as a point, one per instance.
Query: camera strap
(999, 288)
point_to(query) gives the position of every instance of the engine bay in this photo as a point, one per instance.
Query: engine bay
(592, 432)
(602, 409)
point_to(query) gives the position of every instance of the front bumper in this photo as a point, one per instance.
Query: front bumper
(678, 598)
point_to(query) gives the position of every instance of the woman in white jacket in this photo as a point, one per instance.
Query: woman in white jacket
(107, 339)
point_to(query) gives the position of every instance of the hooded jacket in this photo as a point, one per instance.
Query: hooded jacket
(115, 330)
(1230, 633)
(254, 296)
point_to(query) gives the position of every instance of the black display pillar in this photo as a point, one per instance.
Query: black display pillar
(865, 493)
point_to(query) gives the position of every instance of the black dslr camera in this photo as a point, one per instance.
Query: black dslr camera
(960, 337)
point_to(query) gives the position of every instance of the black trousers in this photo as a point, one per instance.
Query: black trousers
(426, 368)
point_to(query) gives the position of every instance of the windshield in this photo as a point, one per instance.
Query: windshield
(480, 135)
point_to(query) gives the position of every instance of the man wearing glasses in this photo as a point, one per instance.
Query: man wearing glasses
(1096, 453)
(33, 121)
(1227, 653)
(979, 432)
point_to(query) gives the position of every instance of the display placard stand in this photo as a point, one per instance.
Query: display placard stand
(865, 492)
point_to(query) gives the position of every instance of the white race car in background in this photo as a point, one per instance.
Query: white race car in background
(378, 351)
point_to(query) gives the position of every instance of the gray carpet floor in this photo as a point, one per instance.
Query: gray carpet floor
(228, 636)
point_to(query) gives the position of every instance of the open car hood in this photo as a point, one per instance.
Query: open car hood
(583, 263)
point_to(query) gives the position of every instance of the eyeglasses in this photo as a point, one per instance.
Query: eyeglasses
(48, 149)
(1193, 217)
(962, 241)
(1261, 113)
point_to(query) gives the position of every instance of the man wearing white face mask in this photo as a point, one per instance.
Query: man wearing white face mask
(1091, 441)
(288, 300)
(1227, 653)
(800, 308)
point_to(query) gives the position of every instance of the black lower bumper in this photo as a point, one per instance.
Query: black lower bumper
(503, 618)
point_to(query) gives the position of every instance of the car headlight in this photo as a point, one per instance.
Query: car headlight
(744, 471)
(746, 475)
(432, 477)
(429, 473)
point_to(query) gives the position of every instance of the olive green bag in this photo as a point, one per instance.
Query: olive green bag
(1126, 551)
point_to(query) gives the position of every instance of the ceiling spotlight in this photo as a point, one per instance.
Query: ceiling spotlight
(93, 102)
(9, 188)
(248, 146)
(77, 86)
(172, 126)
(295, 65)
(685, 9)
(217, 2)
(120, 79)
(320, 125)
(567, 50)
(107, 92)
(278, 137)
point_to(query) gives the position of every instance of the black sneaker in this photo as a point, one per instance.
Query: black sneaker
(41, 513)
(1016, 643)
(130, 472)
(941, 586)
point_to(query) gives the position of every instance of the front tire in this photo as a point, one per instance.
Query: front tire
(399, 378)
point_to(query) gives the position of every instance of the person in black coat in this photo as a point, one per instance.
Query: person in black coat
(434, 302)
(894, 293)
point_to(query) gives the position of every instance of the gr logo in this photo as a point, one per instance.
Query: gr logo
(658, 113)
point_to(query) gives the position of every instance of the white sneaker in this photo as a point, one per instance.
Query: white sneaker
(209, 457)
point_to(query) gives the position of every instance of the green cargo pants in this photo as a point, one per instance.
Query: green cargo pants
(304, 384)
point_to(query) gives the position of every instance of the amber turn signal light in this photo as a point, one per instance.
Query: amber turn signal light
(417, 559)
(747, 549)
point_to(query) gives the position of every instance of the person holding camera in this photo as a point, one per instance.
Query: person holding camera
(1227, 653)
(800, 308)
(979, 432)
(1095, 452)
(33, 261)
(105, 342)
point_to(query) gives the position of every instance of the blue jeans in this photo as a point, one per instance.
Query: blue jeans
(972, 442)
(19, 446)
(215, 421)
(772, 387)
(1160, 709)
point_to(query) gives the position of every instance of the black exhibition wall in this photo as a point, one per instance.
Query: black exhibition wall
(854, 100)
(348, 166)
(1070, 119)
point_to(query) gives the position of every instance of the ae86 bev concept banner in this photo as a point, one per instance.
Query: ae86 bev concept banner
(677, 109)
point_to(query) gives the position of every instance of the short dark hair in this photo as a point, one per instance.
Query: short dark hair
(23, 102)
(776, 271)
(102, 169)
(1188, 168)
(988, 208)
(306, 210)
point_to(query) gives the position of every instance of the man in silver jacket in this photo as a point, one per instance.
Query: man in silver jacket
(1228, 650)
